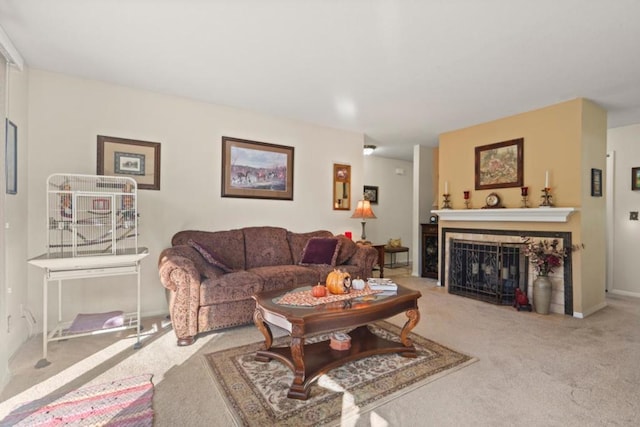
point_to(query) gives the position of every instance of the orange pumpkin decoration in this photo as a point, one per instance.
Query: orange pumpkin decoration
(338, 282)
(318, 291)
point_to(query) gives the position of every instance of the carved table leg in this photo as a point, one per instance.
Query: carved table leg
(414, 317)
(266, 331)
(298, 389)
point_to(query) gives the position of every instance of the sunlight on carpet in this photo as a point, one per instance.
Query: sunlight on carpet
(256, 392)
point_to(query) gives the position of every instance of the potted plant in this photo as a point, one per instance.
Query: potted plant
(544, 256)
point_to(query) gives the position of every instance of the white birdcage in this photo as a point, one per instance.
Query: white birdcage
(91, 215)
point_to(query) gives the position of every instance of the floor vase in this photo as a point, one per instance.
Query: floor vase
(542, 294)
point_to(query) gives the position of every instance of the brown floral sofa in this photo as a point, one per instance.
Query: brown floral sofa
(211, 275)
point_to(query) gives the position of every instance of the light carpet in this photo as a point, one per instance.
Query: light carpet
(256, 392)
(118, 403)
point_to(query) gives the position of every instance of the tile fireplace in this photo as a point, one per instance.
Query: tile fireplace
(488, 264)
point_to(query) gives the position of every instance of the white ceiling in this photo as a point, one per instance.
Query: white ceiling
(401, 72)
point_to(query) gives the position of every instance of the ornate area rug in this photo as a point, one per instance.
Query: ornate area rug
(122, 403)
(256, 392)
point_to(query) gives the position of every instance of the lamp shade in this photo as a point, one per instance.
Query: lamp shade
(363, 210)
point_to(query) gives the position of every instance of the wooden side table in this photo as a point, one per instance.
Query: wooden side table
(393, 251)
(380, 249)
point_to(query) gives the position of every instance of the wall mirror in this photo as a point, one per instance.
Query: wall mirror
(341, 187)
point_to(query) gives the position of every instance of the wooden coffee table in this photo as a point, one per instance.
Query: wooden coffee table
(310, 361)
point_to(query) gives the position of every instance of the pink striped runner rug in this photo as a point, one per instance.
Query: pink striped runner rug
(119, 403)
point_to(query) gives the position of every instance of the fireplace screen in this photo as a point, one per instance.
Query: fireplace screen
(487, 271)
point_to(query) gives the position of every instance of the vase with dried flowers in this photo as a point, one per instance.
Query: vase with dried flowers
(544, 256)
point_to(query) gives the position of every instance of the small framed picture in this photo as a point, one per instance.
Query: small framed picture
(371, 194)
(139, 160)
(635, 179)
(596, 182)
(11, 157)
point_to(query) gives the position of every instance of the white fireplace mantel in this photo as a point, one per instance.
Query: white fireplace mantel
(505, 214)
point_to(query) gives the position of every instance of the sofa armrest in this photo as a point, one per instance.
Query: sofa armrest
(365, 257)
(181, 269)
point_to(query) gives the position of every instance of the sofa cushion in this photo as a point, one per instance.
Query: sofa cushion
(211, 257)
(286, 276)
(320, 250)
(297, 242)
(229, 245)
(347, 248)
(236, 286)
(265, 246)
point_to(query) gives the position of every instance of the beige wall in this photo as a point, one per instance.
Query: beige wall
(14, 223)
(591, 262)
(624, 149)
(553, 141)
(65, 116)
(393, 210)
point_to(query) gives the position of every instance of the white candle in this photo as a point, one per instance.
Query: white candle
(446, 187)
(546, 179)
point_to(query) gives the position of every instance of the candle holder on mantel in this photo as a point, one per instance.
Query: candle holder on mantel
(524, 192)
(446, 203)
(546, 198)
(467, 202)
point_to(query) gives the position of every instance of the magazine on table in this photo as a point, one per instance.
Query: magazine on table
(378, 284)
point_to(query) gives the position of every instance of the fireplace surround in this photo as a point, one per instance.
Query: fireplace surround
(492, 251)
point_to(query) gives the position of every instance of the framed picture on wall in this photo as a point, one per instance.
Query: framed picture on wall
(499, 165)
(635, 179)
(341, 187)
(11, 157)
(139, 160)
(596, 182)
(371, 194)
(256, 170)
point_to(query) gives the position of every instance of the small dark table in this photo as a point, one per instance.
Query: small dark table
(310, 361)
(394, 250)
(380, 249)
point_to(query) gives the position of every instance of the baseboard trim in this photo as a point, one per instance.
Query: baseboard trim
(625, 293)
(590, 311)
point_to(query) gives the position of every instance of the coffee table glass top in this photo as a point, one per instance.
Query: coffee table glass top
(269, 300)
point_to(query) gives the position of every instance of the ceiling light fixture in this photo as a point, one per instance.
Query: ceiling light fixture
(368, 149)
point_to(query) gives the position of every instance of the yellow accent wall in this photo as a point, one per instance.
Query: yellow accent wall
(567, 139)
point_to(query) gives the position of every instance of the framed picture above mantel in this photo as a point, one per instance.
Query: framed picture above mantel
(499, 165)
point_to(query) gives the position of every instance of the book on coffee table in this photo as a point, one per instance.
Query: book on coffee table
(382, 285)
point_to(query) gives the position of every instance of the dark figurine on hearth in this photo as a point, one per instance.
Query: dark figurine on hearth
(521, 302)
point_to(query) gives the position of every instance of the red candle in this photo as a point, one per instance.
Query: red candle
(524, 191)
(348, 234)
(466, 195)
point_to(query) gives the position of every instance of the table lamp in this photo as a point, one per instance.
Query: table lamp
(363, 211)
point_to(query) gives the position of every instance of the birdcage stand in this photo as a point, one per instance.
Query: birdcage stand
(58, 269)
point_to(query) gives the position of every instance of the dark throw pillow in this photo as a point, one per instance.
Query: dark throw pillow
(320, 250)
(211, 258)
(347, 248)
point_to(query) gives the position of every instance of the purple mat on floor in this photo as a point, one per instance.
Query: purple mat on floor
(86, 322)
